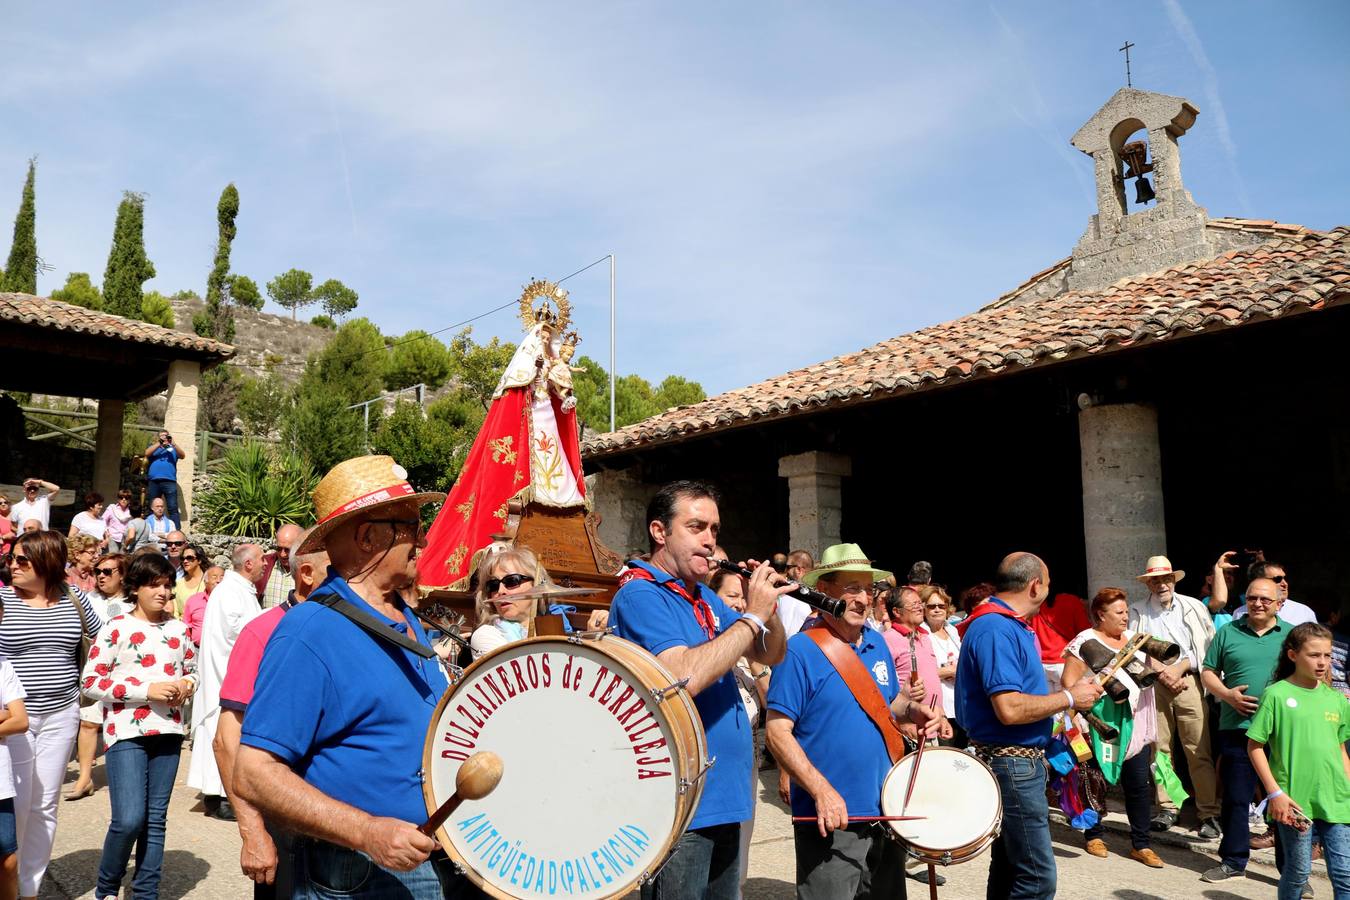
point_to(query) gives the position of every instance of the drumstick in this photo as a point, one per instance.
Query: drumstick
(918, 757)
(477, 777)
(865, 818)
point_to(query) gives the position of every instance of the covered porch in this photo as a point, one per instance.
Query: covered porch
(63, 350)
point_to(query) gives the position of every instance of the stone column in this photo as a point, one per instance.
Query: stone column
(108, 449)
(1122, 494)
(620, 498)
(815, 503)
(180, 420)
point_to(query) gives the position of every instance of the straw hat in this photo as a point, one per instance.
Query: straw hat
(1159, 565)
(356, 487)
(844, 558)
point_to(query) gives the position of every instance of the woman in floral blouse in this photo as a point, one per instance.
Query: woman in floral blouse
(141, 665)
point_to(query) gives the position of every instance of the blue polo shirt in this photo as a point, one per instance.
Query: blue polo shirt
(657, 619)
(835, 734)
(163, 464)
(999, 654)
(346, 711)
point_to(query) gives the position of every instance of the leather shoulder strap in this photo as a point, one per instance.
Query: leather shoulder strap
(371, 624)
(862, 687)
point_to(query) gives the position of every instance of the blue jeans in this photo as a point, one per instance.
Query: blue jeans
(325, 871)
(166, 488)
(704, 866)
(1239, 786)
(1022, 865)
(1335, 839)
(141, 772)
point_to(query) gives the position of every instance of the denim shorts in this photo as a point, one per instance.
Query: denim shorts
(9, 840)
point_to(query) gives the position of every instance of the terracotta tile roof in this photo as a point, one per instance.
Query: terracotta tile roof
(40, 312)
(1299, 270)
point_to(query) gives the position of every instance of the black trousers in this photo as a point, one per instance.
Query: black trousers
(1136, 780)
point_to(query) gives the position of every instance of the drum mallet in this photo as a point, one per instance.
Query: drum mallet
(477, 777)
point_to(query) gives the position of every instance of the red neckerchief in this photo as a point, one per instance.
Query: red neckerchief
(984, 609)
(703, 613)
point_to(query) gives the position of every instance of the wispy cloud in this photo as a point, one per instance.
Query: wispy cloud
(1181, 23)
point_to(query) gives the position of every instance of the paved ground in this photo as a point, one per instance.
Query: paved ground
(202, 859)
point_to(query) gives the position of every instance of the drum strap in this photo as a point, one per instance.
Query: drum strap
(861, 686)
(371, 624)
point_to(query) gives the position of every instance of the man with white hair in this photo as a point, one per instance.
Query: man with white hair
(345, 776)
(234, 603)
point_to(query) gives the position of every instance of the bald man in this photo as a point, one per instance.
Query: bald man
(1003, 702)
(278, 580)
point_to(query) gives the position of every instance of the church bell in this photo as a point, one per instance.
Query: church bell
(1134, 154)
(1143, 191)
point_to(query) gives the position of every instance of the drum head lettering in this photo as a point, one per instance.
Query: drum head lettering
(590, 792)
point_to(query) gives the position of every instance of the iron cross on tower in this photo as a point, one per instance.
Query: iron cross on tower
(1126, 48)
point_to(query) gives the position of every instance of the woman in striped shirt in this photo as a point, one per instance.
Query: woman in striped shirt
(40, 635)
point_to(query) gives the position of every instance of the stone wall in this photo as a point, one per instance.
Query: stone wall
(258, 335)
(218, 547)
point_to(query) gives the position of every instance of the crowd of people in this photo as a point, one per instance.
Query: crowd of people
(307, 719)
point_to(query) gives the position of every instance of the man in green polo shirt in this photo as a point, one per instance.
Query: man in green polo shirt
(1238, 665)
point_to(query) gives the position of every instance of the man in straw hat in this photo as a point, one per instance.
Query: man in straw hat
(665, 607)
(835, 753)
(1179, 696)
(331, 746)
(1003, 702)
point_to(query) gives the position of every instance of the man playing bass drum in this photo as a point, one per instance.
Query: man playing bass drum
(835, 751)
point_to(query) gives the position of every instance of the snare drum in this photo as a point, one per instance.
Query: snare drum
(603, 763)
(959, 796)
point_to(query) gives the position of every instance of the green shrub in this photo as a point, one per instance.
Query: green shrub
(255, 490)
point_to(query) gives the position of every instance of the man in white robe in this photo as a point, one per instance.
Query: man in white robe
(234, 603)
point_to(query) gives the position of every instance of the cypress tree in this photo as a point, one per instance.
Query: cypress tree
(217, 321)
(128, 266)
(21, 269)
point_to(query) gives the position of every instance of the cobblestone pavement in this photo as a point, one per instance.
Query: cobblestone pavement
(202, 858)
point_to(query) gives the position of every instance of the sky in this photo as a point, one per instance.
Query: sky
(779, 183)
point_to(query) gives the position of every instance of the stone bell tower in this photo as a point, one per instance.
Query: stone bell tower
(1130, 138)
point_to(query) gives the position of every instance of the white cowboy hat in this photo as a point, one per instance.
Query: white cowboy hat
(1160, 565)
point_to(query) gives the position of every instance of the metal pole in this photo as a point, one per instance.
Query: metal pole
(611, 342)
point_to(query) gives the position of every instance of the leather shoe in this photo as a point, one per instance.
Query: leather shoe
(1163, 820)
(1147, 857)
(1262, 841)
(223, 811)
(1096, 847)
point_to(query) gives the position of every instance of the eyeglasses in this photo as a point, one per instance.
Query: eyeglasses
(853, 590)
(174, 543)
(513, 580)
(936, 606)
(1260, 601)
(187, 558)
(22, 562)
(107, 573)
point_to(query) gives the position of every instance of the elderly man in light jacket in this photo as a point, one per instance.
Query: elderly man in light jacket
(1182, 711)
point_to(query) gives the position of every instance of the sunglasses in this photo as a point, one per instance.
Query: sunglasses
(936, 606)
(106, 572)
(413, 524)
(1279, 579)
(513, 580)
(187, 558)
(174, 543)
(22, 562)
(1260, 601)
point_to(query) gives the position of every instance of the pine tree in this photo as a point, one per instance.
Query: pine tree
(217, 320)
(128, 266)
(21, 270)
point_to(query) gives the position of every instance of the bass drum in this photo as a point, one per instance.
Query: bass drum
(958, 795)
(603, 760)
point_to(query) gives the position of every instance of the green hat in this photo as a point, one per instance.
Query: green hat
(844, 558)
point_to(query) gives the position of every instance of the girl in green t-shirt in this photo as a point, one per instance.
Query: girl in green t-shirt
(1304, 724)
